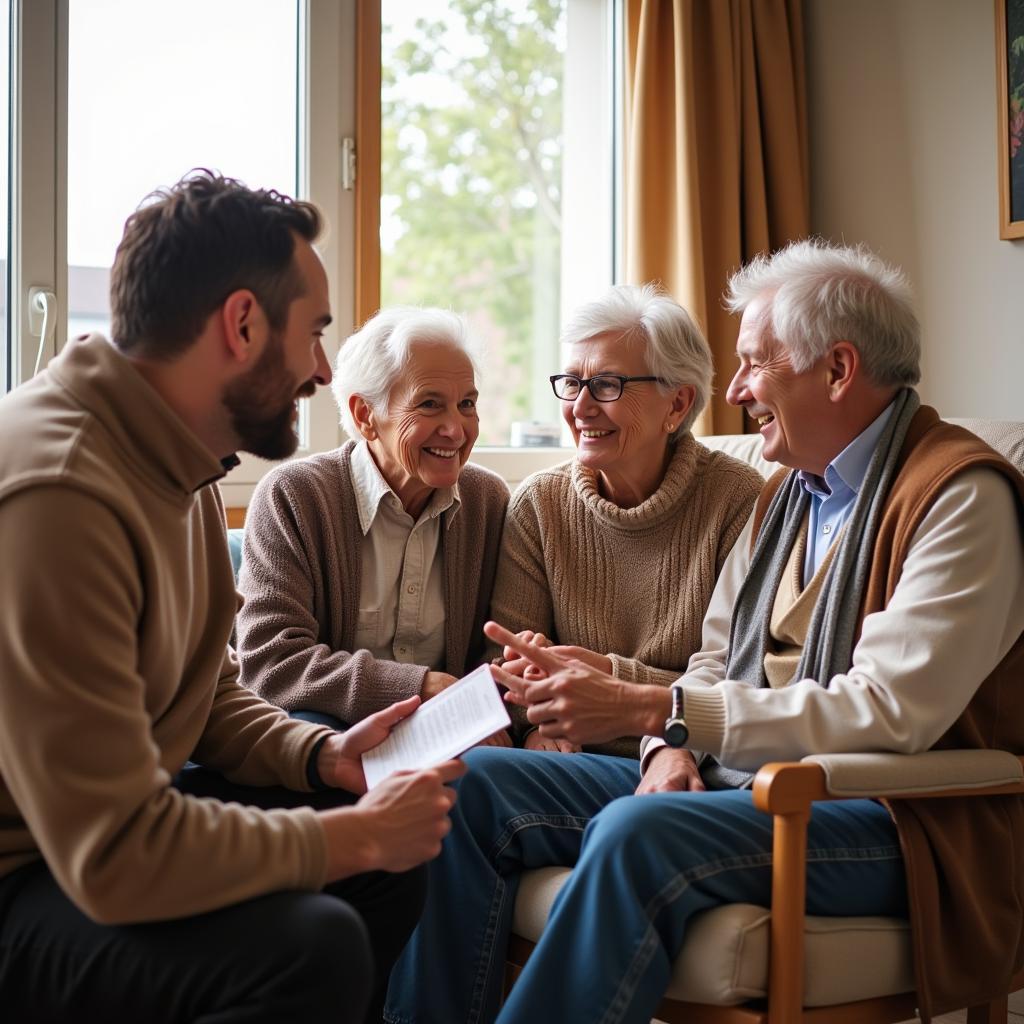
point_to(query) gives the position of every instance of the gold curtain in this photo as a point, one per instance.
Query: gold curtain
(716, 157)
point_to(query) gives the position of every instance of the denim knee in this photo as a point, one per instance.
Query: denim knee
(488, 781)
(626, 818)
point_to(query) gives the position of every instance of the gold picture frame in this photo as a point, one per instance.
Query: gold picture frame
(1010, 99)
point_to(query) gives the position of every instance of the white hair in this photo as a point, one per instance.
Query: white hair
(371, 360)
(675, 349)
(822, 293)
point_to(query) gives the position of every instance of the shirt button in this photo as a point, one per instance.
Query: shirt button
(827, 528)
(412, 588)
(401, 650)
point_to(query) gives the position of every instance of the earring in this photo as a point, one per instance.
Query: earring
(669, 426)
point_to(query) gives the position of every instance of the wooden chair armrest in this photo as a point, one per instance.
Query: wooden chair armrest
(789, 787)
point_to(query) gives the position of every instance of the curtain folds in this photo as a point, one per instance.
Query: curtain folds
(716, 154)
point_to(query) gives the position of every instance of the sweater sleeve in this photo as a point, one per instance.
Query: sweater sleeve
(252, 742)
(77, 748)
(283, 655)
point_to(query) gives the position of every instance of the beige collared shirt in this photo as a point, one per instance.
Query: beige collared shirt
(401, 599)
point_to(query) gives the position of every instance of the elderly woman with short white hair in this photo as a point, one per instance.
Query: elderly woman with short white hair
(367, 570)
(612, 557)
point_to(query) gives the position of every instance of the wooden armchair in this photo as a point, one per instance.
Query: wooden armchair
(748, 965)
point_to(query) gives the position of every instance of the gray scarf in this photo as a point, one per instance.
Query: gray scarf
(828, 650)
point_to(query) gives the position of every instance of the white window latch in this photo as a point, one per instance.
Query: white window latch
(348, 164)
(42, 320)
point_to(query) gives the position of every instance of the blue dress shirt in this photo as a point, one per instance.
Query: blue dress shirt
(834, 495)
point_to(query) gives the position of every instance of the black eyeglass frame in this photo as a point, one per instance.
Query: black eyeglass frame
(588, 383)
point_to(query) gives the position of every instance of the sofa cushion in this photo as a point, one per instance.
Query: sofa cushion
(745, 447)
(1005, 436)
(724, 959)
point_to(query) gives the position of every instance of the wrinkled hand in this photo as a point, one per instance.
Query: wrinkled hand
(599, 661)
(519, 666)
(400, 823)
(434, 683)
(525, 669)
(670, 771)
(339, 761)
(499, 739)
(534, 741)
(577, 702)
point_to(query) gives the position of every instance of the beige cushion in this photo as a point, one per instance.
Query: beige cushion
(725, 957)
(1005, 436)
(745, 447)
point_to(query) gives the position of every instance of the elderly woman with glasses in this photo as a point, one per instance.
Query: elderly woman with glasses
(612, 557)
(367, 570)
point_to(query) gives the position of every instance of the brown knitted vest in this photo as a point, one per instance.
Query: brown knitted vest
(964, 857)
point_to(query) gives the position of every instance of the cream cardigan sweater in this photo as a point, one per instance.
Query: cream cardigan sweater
(632, 583)
(301, 578)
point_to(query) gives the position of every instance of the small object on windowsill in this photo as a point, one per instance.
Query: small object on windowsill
(534, 434)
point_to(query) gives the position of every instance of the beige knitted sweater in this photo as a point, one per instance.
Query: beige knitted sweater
(632, 583)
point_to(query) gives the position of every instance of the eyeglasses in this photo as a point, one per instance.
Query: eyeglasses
(606, 387)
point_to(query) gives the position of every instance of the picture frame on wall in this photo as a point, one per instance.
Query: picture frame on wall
(1010, 89)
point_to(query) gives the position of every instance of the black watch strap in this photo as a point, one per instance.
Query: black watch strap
(676, 731)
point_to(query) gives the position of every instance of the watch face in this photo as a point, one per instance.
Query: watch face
(676, 732)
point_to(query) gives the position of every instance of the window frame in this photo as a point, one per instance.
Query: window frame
(327, 91)
(38, 193)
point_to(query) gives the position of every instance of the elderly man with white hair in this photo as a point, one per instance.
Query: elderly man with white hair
(875, 602)
(367, 570)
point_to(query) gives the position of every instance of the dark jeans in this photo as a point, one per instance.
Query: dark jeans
(287, 956)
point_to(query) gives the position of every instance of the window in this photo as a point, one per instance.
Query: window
(261, 93)
(267, 92)
(138, 121)
(496, 193)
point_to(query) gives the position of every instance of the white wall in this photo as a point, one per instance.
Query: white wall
(902, 107)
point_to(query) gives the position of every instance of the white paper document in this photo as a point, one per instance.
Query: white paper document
(441, 728)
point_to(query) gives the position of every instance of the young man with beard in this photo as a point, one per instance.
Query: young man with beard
(258, 886)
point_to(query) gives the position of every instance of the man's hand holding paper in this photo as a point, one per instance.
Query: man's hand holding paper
(447, 725)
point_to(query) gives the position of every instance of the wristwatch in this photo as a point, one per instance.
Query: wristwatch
(676, 730)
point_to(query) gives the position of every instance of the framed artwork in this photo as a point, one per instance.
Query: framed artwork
(1010, 85)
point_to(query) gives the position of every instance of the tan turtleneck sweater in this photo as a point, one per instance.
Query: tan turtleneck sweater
(632, 583)
(118, 599)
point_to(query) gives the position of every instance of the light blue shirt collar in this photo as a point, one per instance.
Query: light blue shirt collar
(848, 469)
(834, 495)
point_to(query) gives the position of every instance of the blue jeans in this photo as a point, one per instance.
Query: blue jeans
(643, 866)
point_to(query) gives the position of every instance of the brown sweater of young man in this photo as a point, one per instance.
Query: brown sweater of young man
(118, 599)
